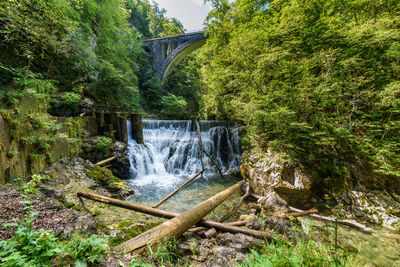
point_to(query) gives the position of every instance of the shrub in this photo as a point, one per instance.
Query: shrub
(174, 106)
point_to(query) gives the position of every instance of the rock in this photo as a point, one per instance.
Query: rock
(86, 104)
(271, 173)
(237, 241)
(273, 202)
(374, 206)
(121, 166)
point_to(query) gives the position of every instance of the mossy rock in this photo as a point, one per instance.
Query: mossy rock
(128, 230)
(105, 178)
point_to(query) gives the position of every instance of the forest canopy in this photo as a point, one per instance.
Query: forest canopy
(89, 47)
(316, 80)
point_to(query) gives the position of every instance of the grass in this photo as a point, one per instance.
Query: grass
(303, 253)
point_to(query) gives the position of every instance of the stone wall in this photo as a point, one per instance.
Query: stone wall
(19, 160)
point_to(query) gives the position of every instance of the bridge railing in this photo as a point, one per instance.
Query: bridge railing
(183, 34)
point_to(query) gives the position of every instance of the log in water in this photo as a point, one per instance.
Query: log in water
(178, 225)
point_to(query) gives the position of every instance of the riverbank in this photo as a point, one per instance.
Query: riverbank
(60, 211)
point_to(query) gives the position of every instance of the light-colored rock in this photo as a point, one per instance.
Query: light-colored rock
(269, 173)
(374, 206)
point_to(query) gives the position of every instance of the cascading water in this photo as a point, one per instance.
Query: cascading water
(171, 154)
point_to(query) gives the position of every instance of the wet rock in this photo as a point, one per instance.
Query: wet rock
(272, 173)
(374, 206)
(105, 178)
(121, 166)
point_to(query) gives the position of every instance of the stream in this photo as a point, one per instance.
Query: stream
(170, 155)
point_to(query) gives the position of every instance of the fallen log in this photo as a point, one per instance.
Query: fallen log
(175, 227)
(299, 214)
(197, 229)
(179, 188)
(239, 223)
(169, 215)
(350, 223)
(105, 161)
(247, 193)
(210, 233)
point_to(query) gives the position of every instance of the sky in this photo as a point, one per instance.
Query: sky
(191, 13)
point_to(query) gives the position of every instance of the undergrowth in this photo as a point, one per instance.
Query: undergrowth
(30, 247)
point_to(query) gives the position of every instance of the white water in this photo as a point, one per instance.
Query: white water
(171, 154)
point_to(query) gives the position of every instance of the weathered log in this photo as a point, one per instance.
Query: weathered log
(202, 150)
(247, 193)
(239, 223)
(175, 227)
(197, 229)
(105, 161)
(299, 214)
(179, 188)
(210, 233)
(350, 223)
(169, 215)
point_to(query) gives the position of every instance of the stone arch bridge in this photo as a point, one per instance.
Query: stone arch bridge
(168, 51)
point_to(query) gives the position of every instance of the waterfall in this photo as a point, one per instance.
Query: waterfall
(171, 151)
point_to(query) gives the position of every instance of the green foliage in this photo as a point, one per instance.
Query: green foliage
(173, 106)
(101, 144)
(317, 80)
(29, 247)
(105, 177)
(67, 100)
(304, 253)
(164, 252)
(87, 250)
(185, 81)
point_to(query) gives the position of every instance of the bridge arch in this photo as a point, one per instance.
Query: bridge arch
(168, 51)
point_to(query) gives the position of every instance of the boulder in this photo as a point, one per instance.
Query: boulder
(271, 173)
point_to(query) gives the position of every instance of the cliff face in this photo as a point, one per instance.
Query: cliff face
(19, 160)
(366, 195)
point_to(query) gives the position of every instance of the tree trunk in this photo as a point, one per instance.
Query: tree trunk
(169, 215)
(105, 161)
(202, 150)
(175, 227)
(179, 188)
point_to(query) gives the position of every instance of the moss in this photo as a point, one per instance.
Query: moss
(129, 231)
(104, 177)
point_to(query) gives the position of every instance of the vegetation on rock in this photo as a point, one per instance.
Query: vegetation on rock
(317, 80)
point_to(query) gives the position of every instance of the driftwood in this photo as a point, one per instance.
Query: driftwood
(169, 215)
(105, 161)
(175, 227)
(210, 233)
(179, 188)
(299, 214)
(197, 229)
(350, 223)
(247, 193)
(239, 223)
(202, 150)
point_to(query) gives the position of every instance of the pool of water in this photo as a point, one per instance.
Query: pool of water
(199, 190)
